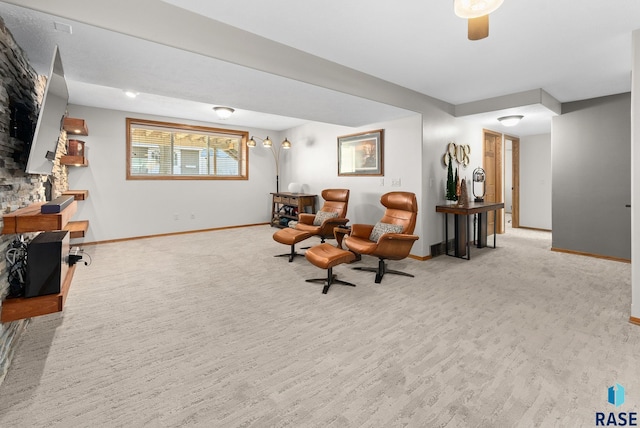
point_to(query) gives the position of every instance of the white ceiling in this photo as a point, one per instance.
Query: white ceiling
(571, 49)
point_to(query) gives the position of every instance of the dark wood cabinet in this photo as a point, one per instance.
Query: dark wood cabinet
(286, 206)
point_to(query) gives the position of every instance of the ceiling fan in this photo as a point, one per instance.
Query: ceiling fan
(477, 14)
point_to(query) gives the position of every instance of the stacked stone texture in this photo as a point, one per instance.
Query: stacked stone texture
(19, 83)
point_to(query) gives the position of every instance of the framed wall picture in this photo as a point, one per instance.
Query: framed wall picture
(361, 154)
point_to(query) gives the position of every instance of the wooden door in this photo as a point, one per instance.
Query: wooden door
(492, 161)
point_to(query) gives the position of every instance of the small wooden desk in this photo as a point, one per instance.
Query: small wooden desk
(461, 223)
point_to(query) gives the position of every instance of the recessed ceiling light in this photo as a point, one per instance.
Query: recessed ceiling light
(131, 94)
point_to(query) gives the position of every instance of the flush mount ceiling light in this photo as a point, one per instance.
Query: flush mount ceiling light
(510, 120)
(223, 112)
(477, 13)
(131, 94)
(475, 8)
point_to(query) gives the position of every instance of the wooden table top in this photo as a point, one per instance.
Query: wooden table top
(472, 208)
(292, 195)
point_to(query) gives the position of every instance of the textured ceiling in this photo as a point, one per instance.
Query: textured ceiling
(572, 49)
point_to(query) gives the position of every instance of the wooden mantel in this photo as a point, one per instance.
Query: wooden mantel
(29, 219)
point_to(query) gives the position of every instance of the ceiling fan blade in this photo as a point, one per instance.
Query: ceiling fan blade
(478, 28)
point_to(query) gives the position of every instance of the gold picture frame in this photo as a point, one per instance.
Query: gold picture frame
(361, 154)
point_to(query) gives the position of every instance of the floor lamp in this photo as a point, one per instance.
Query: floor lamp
(266, 142)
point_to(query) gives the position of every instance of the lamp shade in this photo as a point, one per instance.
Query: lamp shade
(475, 8)
(510, 120)
(286, 144)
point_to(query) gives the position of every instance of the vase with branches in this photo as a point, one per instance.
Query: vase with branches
(451, 182)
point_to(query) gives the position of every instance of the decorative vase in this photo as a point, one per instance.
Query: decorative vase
(463, 200)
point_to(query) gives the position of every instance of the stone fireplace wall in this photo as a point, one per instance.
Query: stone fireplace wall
(21, 92)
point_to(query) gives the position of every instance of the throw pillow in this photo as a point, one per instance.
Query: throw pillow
(381, 228)
(321, 216)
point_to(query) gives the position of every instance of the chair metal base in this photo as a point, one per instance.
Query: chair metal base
(330, 279)
(292, 254)
(381, 270)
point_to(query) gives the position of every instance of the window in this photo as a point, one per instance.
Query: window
(160, 150)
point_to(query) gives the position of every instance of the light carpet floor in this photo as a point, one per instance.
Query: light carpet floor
(210, 330)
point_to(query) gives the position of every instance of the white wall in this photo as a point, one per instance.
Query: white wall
(314, 163)
(438, 129)
(412, 156)
(117, 208)
(535, 181)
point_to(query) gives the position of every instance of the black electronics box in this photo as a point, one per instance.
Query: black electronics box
(47, 264)
(57, 205)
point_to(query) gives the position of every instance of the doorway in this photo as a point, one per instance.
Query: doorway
(512, 178)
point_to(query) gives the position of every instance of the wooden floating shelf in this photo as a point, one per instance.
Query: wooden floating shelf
(77, 229)
(28, 307)
(74, 160)
(30, 219)
(75, 126)
(78, 195)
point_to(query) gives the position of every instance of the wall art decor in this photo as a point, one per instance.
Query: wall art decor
(460, 153)
(361, 154)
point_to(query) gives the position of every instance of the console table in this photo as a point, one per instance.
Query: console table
(298, 202)
(461, 225)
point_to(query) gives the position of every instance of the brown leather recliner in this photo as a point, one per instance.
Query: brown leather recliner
(391, 238)
(331, 214)
(335, 201)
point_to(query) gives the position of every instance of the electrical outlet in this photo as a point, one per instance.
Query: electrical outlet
(176, 217)
(396, 182)
(193, 216)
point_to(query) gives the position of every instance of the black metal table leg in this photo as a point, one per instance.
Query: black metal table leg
(467, 239)
(495, 222)
(475, 218)
(446, 234)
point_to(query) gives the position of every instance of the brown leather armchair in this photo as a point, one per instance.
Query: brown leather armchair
(391, 238)
(335, 201)
(331, 214)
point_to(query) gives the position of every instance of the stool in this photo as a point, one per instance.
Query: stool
(290, 237)
(326, 256)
